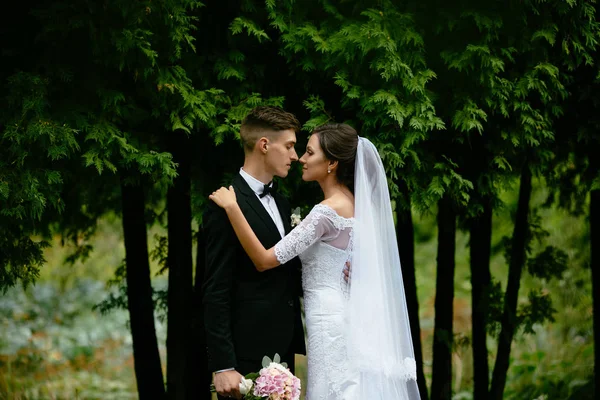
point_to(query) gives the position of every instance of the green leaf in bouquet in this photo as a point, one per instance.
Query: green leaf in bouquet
(284, 365)
(266, 361)
(253, 376)
(277, 359)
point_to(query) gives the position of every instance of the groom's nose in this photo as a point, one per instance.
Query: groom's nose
(294, 156)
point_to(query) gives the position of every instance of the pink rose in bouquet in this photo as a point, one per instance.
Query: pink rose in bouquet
(276, 382)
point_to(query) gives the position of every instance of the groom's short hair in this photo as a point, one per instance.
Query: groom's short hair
(265, 121)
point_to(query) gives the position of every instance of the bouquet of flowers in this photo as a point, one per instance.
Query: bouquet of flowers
(274, 382)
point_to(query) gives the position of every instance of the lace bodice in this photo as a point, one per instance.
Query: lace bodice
(321, 224)
(323, 240)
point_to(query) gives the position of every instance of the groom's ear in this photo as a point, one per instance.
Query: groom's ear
(263, 144)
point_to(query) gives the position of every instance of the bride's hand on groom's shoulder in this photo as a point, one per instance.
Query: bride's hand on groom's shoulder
(224, 197)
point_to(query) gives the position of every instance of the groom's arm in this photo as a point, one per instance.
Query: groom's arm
(218, 282)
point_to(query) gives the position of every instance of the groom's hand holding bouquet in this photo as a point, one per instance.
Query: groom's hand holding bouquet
(226, 384)
(273, 382)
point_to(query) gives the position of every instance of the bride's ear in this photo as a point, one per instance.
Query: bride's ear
(332, 165)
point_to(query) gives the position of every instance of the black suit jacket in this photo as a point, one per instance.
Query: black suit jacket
(248, 314)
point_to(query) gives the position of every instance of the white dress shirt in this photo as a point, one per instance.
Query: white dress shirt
(267, 201)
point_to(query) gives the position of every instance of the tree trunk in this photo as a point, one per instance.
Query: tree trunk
(148, 371)
(180, 266)
(200, 389)
(595, 267)
(517, 260)
(406, 247)
(480, 249)
(444, 298)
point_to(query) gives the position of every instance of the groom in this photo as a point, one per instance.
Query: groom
(250, 314)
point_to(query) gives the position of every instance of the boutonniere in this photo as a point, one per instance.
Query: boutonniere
(296, 217)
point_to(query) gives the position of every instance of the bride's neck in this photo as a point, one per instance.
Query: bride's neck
(331, 187)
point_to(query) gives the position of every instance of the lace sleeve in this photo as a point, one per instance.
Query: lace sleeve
(311, 229)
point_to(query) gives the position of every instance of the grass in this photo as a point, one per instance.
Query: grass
(52, 345)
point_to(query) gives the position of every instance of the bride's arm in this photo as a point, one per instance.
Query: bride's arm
(295, 243)
(262, 258)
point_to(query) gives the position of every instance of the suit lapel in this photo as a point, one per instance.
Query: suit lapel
(249, 198)
(284, 212)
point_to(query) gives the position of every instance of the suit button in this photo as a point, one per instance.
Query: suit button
(291, 303)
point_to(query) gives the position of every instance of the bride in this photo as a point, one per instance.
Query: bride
(359, 343)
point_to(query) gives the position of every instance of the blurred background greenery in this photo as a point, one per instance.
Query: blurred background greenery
(54, 345)
(118, 118)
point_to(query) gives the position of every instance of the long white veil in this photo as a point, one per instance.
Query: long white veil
(379, 340)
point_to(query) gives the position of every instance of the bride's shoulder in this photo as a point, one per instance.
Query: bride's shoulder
(341, 206)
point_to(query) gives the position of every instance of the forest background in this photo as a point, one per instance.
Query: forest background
(118, 118)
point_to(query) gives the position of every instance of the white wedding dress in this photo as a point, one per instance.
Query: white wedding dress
(359, 345)
(323, 240)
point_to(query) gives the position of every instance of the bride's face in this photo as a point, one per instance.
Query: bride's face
(313, 161)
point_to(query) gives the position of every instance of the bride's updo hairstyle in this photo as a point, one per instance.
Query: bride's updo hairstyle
(339, 143)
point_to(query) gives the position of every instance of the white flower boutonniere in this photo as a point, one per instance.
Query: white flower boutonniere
(296, 218)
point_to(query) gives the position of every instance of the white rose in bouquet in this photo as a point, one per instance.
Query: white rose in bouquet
(246, 386)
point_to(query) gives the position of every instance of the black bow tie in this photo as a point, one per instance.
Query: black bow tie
(268, 189)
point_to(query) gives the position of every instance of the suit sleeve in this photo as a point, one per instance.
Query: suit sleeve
(218, 283)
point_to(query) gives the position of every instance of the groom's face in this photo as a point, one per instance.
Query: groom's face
(281, 153)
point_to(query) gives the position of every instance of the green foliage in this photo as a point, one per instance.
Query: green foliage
(550, 263)
(456, 96)
(127, 76)
(117, 292)
(318, 112)
(32, 147)
(537, 311)
(376, 56)
(240, 24)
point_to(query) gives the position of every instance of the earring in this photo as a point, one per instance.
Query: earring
(328, 171)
